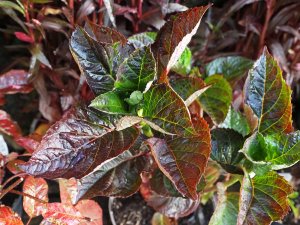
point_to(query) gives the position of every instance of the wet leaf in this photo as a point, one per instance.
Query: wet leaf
(77, 144)
(109, 102)
(263, 199)
(36, 187)
(236, 121)
(173, 37)
(216, 100)
(8, 217)
(163, 107)
(136, 71)
(269, 96)
(231, 67)
(276, 151)
(183, 159)
(28, 143)
(142, 39)
(15, 81)
(226, 144)
(98, 61)
(8, 126)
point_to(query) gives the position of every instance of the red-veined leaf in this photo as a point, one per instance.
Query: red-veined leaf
(8, 217)
(36, 187)
(8, 126)
(173, 37)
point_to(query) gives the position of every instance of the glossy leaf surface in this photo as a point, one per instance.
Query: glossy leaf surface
(226, 144)
(36, 187)
(142, 39)
(9, 217)
(236, 121)
(109, 102)
(183, 159)
(119, 177)
(216, 100)
(136, 71)
(268, 95)
(15, 81)
(166, 109)
(263, 199)
(226, 210)
(276, 151)
(97, 60)
(77, 144)
(231, 67)
(8, 126)
(173, 37)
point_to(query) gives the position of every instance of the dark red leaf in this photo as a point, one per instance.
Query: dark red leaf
(173, 37)
(36, 187)
(28, 143)
(76, 144)
(8, 126)
(24, 37)
(13, 167)
(15, 81)
(8, 217)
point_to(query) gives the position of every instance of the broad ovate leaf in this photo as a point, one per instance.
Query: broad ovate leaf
(38, 188)
(263, 199)
(174, 37)
(118, 177)
(163, 107)
(216, 100)
(15, 81)
(136, 71)
(226, 144)
(269, 96)
(231, 67)
(226, 210)
(277, 151)
(236, 121)
(183, 159)
(91, 210)
(109, 102)
(9, 217)
(77, 144)
(98, 60)
(142, 39)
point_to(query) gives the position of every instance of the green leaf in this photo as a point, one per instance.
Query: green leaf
(269, 96)
(142, 39)
(186, 86)
(136, 71)
(276, 151)
(183, 159)
(236, 121)
(109, 102)
(231, 67)
(98, 56)
(135, 98)
(226, 144)
(216, 100)
(263, 199)
(174, 37)
(226, 210)
(183, 65)
(163, 107)
(12, 5)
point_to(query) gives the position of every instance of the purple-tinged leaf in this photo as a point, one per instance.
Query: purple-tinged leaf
(15, 81)
(76, 144)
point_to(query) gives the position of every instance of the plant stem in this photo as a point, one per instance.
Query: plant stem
(15, 184)
(27, 195)
(233, 179)
(28, 222)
